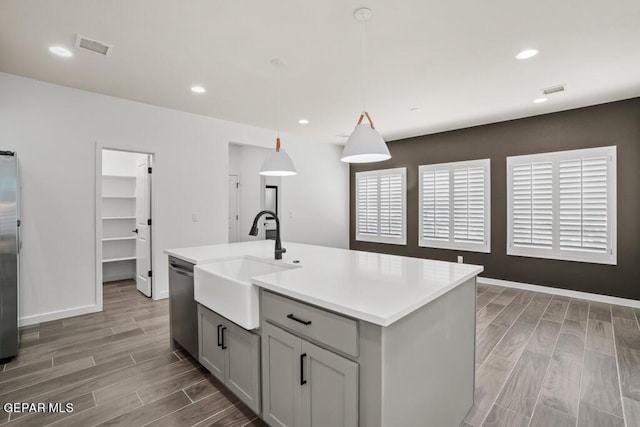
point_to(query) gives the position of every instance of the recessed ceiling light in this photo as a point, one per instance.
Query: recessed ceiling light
(415, 109)
(303, 121)
(198, 89)
(539, 100)
(60, 51)
(527, 53)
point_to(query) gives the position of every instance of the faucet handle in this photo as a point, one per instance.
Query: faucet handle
(279, 252)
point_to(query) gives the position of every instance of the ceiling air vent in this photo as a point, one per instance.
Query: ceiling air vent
(93, 45)
(553, 89)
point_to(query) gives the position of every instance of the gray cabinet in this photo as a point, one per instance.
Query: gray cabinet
(231, 354)
(212, 355)
(330, 395)
(315, 324)
(305, 385)
(281, 377)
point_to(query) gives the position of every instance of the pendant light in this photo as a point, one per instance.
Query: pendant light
(365, 144)
(278, 162)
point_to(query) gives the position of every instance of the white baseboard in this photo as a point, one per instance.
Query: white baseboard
(564, 292)
(55, 315)
(161, 295)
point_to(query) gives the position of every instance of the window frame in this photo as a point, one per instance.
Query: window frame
(378, 238)
(556, 252)
(451, 244)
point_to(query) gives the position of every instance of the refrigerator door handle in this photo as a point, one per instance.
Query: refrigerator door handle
(19, 234)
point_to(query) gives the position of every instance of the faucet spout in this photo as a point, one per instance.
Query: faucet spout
(279, 250)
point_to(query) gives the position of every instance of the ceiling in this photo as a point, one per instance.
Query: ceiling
(452, 59)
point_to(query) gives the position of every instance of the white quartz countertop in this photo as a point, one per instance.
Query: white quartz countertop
(376, 288)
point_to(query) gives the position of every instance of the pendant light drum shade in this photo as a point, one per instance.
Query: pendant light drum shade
(365, 145)
(278, 163)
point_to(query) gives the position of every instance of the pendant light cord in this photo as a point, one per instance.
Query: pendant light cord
(364, 66)
(279, 100)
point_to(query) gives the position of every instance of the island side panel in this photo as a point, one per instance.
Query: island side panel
(428, 362)
(370, 365)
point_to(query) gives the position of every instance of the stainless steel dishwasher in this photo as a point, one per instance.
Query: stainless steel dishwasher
(183, 310)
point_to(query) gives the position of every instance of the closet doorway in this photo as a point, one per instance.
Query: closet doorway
(125, 217)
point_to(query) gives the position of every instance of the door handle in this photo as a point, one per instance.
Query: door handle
(304, 322)
(219, 341)
(135, 231)
(181, 271)
(224, 347)
(302, 380)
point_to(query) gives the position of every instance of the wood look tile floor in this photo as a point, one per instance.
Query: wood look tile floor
(117, 368)
(547, 360)
(541, 360)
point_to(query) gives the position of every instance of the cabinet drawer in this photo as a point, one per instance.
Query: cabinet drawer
(334, 330)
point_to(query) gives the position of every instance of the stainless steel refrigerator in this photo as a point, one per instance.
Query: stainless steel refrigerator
(9, 254)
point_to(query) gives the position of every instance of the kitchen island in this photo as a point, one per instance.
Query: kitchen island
(345, 337)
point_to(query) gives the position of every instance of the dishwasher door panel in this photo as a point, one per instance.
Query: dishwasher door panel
(183, 310)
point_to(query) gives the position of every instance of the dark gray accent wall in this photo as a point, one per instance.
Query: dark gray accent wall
(616, 123)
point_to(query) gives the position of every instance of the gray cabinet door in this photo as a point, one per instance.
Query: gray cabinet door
(210, 330)
(281, 394)
(231, 354)
(243, 364)
(330, 395)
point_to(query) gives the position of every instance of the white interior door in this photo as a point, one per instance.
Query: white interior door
(143, 229)
(233, 208)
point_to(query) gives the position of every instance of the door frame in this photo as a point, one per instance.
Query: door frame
(238, 189)
(99, 146)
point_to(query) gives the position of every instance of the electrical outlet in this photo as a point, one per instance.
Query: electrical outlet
(195, 217)
(460, 261)
(290, 214)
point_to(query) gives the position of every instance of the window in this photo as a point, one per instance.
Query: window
(454, 206)
(562, 205)
(381, 206)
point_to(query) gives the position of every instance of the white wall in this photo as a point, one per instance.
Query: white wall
(246, 161)
(315, 201)
(121, 163)
(235, 159)
(56, 131)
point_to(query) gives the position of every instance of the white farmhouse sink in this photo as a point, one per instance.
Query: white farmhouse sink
(225, 287)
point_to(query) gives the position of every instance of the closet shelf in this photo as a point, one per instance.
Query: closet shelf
(118, 197)
(118, 217)
(113, 239)
(128, 258)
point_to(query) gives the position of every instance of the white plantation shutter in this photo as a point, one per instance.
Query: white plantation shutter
(381, 206)
(583, 204)
(391, 206)
(563, 205)
(468, 205)
(435, 205)
(533, 204)
(367, 208)
(454, 205)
